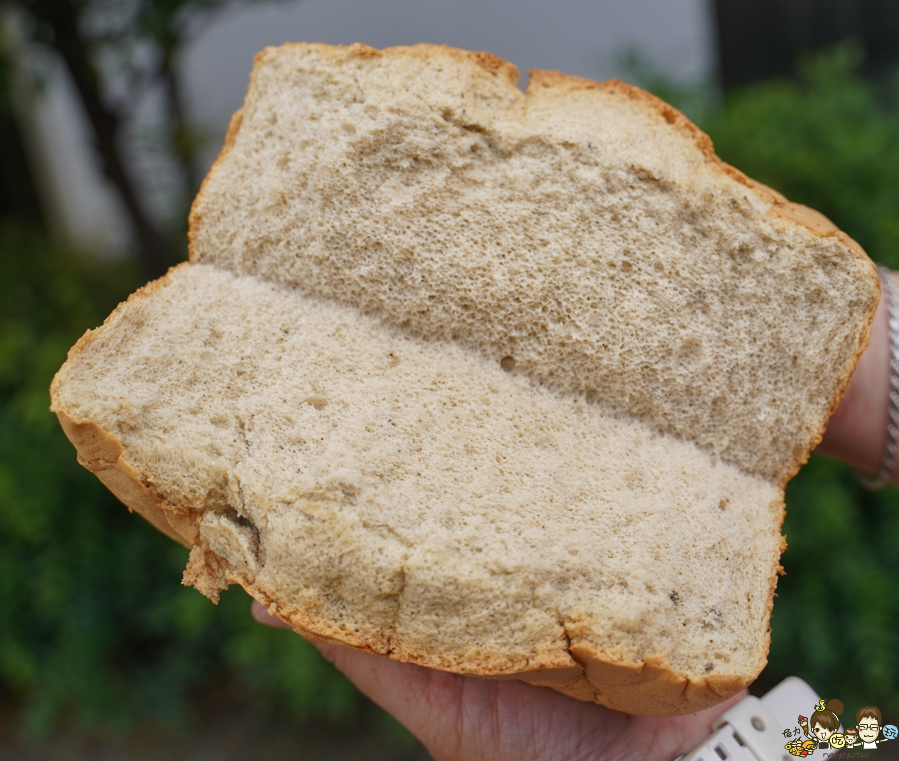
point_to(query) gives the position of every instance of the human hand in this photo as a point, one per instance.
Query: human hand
(463, 718)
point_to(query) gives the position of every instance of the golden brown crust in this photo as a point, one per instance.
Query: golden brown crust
(90, 335)
(195, 217)
(490, 63)
(650, 688)
(563, 84)
(101, 453)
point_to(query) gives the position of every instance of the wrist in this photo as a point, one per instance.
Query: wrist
(857, 431)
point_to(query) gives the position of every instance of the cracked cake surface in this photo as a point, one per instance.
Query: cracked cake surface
(502, 384)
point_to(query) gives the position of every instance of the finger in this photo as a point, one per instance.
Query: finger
(264, 617)
(459, 717)
(466, 717)
(680, 734)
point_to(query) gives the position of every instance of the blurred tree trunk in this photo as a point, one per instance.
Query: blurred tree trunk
(18, 193)
(61, 17)
(181, 135)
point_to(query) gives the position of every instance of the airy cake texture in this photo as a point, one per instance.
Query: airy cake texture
(584, 230)
(497, 383)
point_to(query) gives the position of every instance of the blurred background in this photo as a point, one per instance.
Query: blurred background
(111, 112)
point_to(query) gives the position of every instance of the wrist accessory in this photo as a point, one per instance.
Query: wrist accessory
(757, 729)
(888, 464)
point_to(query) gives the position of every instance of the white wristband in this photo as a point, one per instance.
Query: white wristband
(757, 729)
(891, 446)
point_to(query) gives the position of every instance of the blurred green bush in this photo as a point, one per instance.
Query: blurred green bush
(94, 626)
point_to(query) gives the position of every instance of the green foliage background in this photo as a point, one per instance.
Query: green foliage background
(95, 629)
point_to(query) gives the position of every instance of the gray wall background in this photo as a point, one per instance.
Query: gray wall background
(582, 37)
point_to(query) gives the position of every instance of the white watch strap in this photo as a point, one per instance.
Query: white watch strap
(753, 730)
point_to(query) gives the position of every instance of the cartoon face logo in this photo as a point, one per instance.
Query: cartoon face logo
(868, 723)
(868, 729)
(822, 733)
(824, 722)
